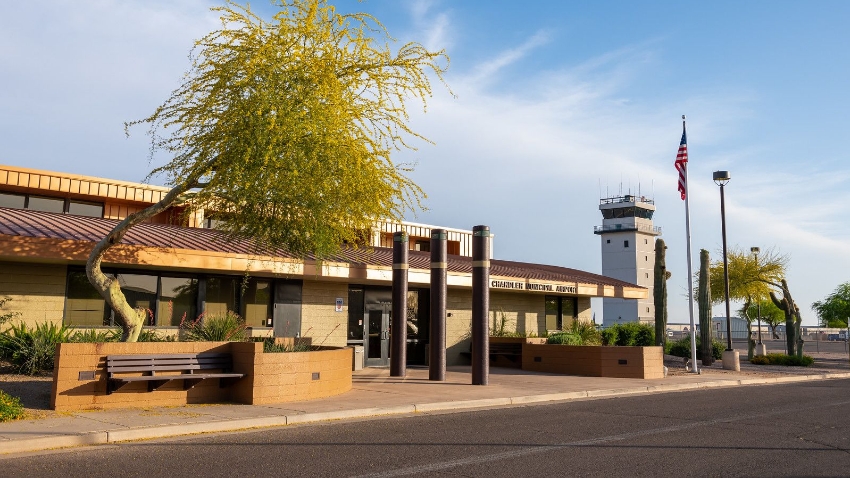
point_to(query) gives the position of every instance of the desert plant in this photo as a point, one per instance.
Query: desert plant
(229, 327)
(32, 351)
(95, 336)
(7, 316)
(587, 331)
(269, 346)
(659, 292)
(704, 306)
(10, 407)
(682, 348)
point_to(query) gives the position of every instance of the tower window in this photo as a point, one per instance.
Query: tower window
(646, 241)
(625, 243)
(646, 258)
(647, 275)
(608, 241)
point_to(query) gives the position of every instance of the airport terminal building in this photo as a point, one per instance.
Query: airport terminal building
(179, 268)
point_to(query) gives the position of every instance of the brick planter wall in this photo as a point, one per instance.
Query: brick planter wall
(594, 360)
(270, 377)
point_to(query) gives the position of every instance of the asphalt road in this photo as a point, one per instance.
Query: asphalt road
(781, 430)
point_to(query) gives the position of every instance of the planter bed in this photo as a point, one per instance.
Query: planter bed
(80, 376)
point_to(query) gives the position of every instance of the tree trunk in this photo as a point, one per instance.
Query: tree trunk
(131, 320)
(787, 306)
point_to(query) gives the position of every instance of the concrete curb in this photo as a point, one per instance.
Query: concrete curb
(220, 426)
(49, 443)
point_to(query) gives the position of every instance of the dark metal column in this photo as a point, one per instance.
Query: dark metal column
(437, 340)
(480, 305)
(398, 328)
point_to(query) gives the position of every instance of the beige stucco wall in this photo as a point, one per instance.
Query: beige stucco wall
(319, 319)
(37, 291)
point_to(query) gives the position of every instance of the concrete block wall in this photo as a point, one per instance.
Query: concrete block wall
(319, 318)
(37, 291)
(459, 325)
(525, 313)
(269, 377)
(594, 360)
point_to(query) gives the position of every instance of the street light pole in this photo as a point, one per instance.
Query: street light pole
(755, 251)
(730, 357)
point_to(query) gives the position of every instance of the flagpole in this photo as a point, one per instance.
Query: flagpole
(694, 367)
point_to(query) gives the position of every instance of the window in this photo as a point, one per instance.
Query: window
(140, 291)
(51, 204)
(169, 300)
(646, 241)
(81, 208)
(17, 201)
(625, 243)
(220, 295)
(177, 300)
(608, 241)
(256, 300)
(647, 275)
(646, 258)
(83, 305)
(560, 312)
(37, 203)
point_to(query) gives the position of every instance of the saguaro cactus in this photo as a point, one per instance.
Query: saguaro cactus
(704, 304)
(659, 293)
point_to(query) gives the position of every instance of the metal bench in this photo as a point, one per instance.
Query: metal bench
(159, 369)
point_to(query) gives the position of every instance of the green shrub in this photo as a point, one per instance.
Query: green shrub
(629, 334)
(682, 348)
(578, 333)
(32, 351)
(565, 338)
(782, 359)
(216, 328)
(10, 407)
(760, 360)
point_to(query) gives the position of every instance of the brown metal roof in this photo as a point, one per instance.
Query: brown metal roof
(37, 224)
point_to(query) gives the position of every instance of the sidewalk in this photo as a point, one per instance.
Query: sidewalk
(374, 393)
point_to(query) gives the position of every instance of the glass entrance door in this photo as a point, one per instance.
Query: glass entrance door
(378, 332)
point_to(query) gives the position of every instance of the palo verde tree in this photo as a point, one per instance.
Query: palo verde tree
(755, 278)
(834, 310)
(285, 128)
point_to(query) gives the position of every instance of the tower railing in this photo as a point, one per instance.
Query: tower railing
(626, 227)
(626, 198)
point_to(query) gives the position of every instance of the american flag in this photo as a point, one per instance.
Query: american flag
(682, 164)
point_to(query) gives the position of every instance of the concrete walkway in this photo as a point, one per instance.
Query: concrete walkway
(374, 393)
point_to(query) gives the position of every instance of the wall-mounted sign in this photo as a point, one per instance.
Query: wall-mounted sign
(338, 304)
(532, 286)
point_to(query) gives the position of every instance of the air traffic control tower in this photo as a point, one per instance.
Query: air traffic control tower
(628, 254)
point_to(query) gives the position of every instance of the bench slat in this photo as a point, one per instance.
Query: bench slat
(150, 364)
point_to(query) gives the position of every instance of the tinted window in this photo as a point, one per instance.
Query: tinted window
(37, 203)
(85, 209)
(12, 200)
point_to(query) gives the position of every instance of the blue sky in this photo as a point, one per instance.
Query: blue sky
(557, 104)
